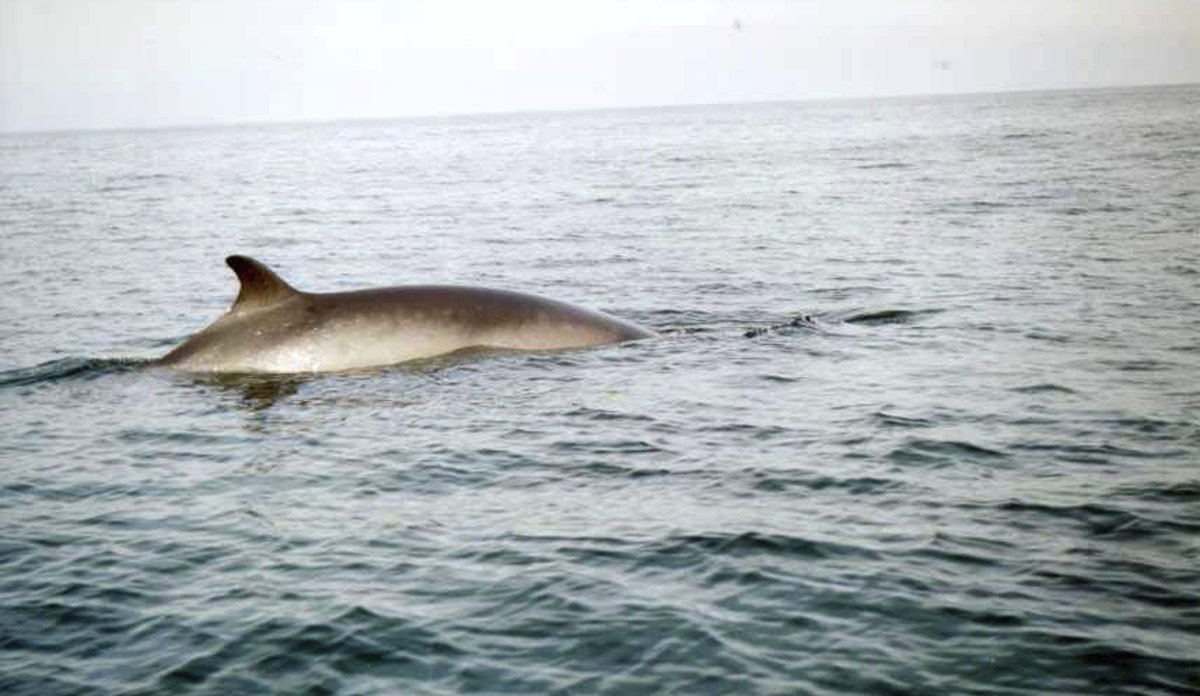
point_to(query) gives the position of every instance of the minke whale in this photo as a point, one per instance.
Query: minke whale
(274, 328)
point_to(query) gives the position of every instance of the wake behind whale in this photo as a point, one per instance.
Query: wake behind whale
(274, 328)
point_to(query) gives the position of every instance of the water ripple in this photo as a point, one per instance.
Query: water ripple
(956, 454)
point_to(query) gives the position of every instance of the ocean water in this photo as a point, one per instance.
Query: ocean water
(924, 416)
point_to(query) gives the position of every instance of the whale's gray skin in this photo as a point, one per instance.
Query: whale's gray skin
(274, 328)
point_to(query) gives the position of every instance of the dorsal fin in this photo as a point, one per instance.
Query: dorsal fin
(260, 286)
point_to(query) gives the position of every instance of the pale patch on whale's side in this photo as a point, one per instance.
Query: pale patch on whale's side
(273, 327)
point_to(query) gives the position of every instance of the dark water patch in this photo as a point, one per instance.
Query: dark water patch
(117, 188)
(67, 369)
(14, 553)
(614, 470)
(691, 549)
(885, 165)
(1085, 453)
(1181, 269)
(933, 452)
(603, 415)
(720, 288)
(513, 553)
(167, 437)
(1139, 365)
(600, 447)
(1095, 519)
(1159, 133)
(1043, 388)
(702, 552)
(988, 619)
(1172, 595)
(1023, 135)
(988, 205)
(144, 177)
(258, 392)
(64, 623)
(546, 621)
(1158, 429)
(1106, 209)
(1095, 662)
(959, 551)
(261, 393)
(436, 472)
(1166, 491)
(17, 684)
(357, 646)
(780, 482)
(1131, 667)
(1048, 336)
(778, 379)
(846, 290)
(300, 211)
(105, 594)
(894, 420)
(756, 431)
(886, 316)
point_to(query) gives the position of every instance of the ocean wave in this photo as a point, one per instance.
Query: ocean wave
(66, 369)
(935, 452)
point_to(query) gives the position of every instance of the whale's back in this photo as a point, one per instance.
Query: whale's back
(272, 327)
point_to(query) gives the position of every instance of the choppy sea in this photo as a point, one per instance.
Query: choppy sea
(924, 416)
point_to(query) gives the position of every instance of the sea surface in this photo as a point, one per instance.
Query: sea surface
(924, 414)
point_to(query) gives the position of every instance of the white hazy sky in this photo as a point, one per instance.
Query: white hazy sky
(129, 63)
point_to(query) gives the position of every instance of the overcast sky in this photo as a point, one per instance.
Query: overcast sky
(127, 63)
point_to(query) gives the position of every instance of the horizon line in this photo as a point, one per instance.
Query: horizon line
(452, 115)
